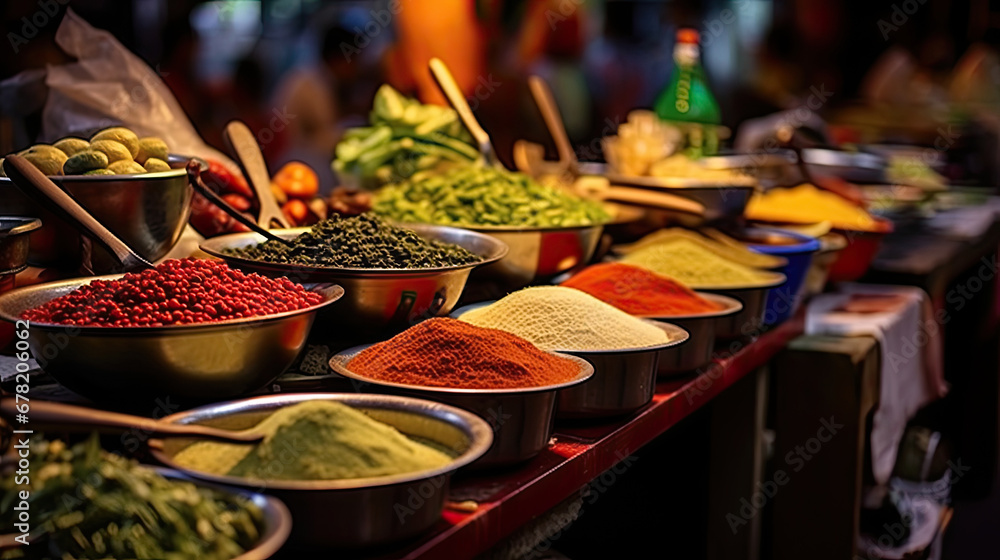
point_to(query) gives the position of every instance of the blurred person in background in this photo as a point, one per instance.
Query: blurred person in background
(312, 100)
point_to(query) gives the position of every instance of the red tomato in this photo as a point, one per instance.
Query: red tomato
(297, 180)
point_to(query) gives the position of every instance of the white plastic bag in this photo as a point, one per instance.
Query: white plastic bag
(110, 86)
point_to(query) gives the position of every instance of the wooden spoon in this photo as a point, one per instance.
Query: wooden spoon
(78, 418)
(457, 100)
(242, 142)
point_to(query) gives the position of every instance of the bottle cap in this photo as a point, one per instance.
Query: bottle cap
(687, 35)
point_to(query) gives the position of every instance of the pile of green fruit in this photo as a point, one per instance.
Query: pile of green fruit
(112, 151)
(405, 137)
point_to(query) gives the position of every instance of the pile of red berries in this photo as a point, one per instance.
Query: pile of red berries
(177, 292)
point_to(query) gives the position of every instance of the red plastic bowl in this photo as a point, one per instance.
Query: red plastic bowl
(862, 246)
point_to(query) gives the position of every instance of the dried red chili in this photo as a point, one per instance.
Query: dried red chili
(639, 291)
(176, 292)
(445, 352)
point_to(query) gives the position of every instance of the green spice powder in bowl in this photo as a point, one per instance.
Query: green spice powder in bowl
(392, 275)
(340, 462)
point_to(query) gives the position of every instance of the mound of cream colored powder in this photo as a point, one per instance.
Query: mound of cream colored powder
(559, 318)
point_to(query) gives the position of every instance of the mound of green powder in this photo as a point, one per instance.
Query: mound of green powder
(315, 440)
(364, 241)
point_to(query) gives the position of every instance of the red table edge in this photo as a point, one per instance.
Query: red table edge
(478, 531)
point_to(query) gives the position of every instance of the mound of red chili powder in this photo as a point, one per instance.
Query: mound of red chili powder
(444, 352)
(176, 292)
(639, 291)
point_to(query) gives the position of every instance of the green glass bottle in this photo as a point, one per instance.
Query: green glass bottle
(687, 100)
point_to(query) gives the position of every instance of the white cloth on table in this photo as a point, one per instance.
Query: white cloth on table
(911, 370)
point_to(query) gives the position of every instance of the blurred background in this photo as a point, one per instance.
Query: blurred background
(317, 64)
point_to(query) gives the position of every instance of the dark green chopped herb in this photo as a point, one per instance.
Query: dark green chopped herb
(89, 503)
(364, 241)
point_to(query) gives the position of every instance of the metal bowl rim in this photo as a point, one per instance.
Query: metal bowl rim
(211, 246)
(340, 361)
(534, 229)
(479, 432)
(336, 292)
(733, 306)
(27, 225)
(83, 179)
(274, 511)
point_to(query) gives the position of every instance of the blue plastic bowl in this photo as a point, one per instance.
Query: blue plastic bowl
(798, 249)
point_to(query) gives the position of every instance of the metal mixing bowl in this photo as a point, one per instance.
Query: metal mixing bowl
(624, 380)
(198, 361)
(377, 299)
(537, 254)
(351, 513)
(14, 242)
(277, 518)
(701, 343)
(147, 211)
(750, 321)
(521, 419)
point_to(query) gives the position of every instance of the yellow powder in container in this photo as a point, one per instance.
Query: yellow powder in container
(724, 246)
(692, 264)
(558, 318)
(315, 440)
(806, 204)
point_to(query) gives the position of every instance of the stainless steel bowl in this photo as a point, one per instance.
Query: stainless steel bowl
(750, 321)
(537, 254)
(147, 211)
(277, 518)
(697, 351)
(351, 513)
(14, 246)
(376, 299)
(521, 419)
(624, 380)
(199, 361)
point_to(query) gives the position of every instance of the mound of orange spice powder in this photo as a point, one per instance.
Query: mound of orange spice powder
(444, 352)
(639, 291)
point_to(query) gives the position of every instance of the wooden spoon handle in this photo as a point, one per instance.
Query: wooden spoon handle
(36, 186)
(242, 142)
(553, 120)
(78, 418)
(448, 85)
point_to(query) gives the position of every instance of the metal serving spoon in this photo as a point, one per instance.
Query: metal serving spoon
(194, 177)
(78, 418)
